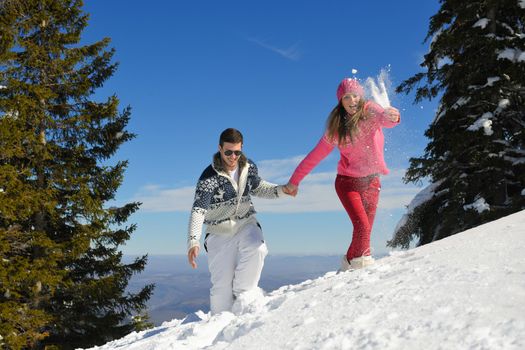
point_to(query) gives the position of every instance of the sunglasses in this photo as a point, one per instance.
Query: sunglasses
(230, 152)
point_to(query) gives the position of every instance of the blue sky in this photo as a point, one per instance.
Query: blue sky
(270, 68)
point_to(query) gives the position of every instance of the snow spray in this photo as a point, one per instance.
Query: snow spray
(379, 91)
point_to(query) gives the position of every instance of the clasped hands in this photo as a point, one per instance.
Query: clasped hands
(290, 189)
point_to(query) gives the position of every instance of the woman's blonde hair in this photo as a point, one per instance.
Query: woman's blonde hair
(341, 127)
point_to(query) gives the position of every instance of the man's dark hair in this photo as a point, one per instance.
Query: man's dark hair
(230, 135)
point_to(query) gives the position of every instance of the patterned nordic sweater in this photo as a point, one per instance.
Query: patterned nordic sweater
(222, 205)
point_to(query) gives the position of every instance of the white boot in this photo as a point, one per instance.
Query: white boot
(362, 261)
(345, 265)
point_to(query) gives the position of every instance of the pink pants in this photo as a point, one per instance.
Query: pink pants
(359, 196)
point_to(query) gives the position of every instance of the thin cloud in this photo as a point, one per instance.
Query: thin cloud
(278, 170)
(292, 53)
(156, 199)
(316, 193)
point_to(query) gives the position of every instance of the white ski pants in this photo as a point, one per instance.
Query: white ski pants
(235, 264)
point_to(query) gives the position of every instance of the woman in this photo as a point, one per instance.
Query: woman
(355, 127)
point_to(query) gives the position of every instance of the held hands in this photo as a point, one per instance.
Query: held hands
(392, 114)
(192, 255)
(290, 189)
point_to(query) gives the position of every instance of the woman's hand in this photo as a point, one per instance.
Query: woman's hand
(392, 114)
(290, 189)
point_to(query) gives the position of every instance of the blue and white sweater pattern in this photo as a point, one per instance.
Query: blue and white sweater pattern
(223, 205)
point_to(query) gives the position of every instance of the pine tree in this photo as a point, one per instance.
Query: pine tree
(62, 277)
(475, 159)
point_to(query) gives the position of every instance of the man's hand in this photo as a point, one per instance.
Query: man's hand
(290, 189)
(192, 256)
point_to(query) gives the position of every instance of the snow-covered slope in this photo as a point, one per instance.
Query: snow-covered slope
(463, 292)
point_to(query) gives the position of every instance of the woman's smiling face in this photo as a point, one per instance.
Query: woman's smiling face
(350, 102)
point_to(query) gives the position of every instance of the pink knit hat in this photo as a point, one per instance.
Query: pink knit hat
(349, 85)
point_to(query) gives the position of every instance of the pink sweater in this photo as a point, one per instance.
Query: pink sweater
(361, 158)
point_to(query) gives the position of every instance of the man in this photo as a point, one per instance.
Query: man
(234, 239)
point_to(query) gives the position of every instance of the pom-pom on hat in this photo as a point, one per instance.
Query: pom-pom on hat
(349, 85)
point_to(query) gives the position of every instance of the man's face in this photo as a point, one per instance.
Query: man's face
(230, 154)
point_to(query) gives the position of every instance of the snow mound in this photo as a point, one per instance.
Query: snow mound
(464, 292)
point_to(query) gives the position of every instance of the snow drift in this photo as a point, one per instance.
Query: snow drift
(463, 292)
